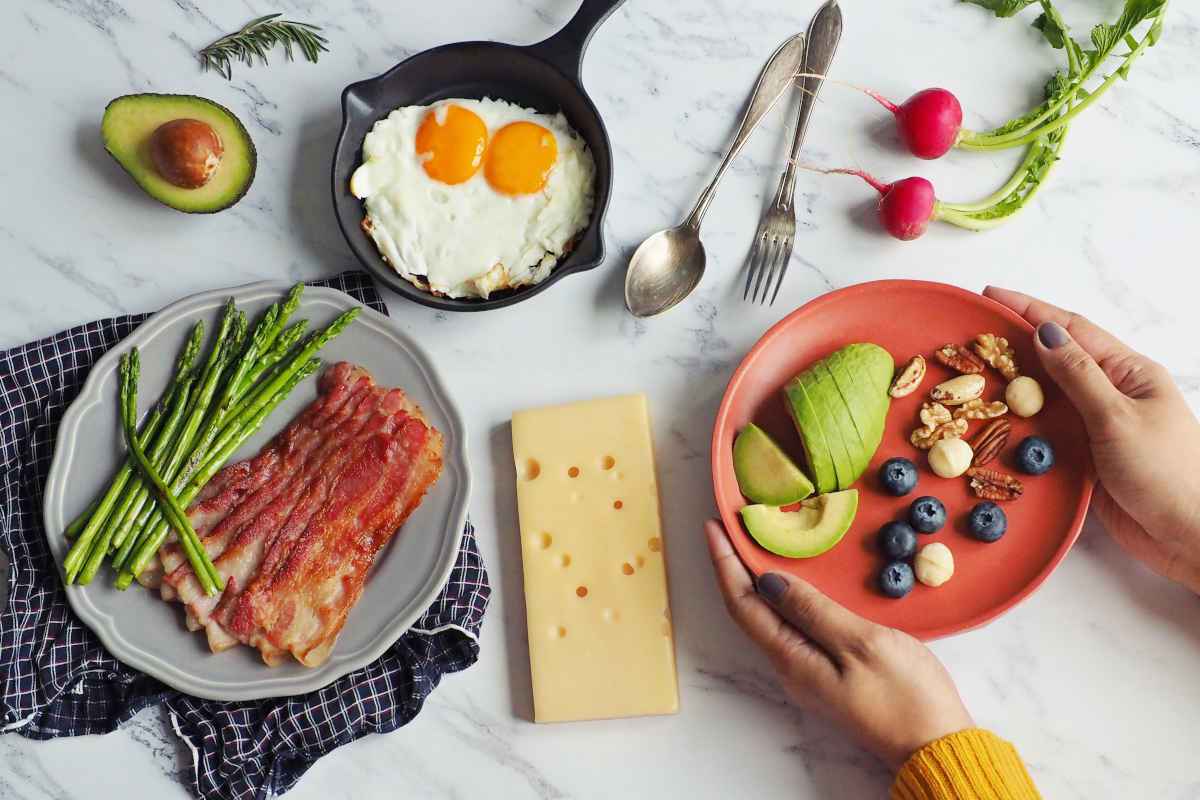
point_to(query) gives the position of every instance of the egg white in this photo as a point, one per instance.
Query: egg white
(467, 239)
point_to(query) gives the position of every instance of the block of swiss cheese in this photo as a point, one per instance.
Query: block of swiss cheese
(600, 636)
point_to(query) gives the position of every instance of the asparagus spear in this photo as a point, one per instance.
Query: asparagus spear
(104, 507)
(139, 494)
(167, 464)
(238, 365)
(148, 546)
(157, 453)
(207, 574)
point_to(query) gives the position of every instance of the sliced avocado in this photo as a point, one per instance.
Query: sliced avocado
(821, 380)
(817, 450)
(818, 525)
(824, 397)
(867, 404)
(873, 361)
(846, 393)
(130, 122)
(764, 472)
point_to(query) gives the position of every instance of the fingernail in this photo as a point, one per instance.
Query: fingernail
(1053, 335)
(771, 586)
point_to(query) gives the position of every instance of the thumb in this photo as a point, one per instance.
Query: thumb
(1076, 372)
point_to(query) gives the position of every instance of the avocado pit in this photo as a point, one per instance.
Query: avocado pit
(186, 152)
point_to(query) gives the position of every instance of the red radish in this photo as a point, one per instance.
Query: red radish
(906, 206)
(930, 121)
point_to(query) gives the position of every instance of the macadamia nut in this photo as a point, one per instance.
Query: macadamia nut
(934, 564)
(1024, 396)
(950, 458)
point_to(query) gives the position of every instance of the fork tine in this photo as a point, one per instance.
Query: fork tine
(776, 257)
(787, 246)
(753, 260)
(768, 259)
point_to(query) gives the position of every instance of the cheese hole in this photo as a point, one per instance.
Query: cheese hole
(532, 469)
(581, 591)
(618, 505)
(655, 544)
(608, 615)
(558, 633)
(573, 472)
(608, 462)
(641, 561)
(627, 568)
(564, 560)
(545, 540)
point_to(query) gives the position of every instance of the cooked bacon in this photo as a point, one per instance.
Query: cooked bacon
(295, 529)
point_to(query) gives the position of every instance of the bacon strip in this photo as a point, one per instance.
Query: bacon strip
(295, 529)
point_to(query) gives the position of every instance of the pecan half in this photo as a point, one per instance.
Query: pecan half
(959, 358)
(978, 409)
(997, 352)
(908, 378)
(988, 443)
(990, 484)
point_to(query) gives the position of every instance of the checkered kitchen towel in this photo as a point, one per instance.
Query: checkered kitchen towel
(57, 680)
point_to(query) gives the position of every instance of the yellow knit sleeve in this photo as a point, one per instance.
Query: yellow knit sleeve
(969, 765)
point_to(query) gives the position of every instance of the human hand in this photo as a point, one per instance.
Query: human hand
(1145, 440)
(880, 684)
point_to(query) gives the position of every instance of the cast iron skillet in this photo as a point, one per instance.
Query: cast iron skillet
(544, 76)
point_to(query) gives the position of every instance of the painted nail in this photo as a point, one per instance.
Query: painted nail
(771, 586)
(1053, 335)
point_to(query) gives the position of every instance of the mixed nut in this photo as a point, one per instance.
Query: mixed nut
(945, 420)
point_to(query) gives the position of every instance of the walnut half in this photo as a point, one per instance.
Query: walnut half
(997, 352)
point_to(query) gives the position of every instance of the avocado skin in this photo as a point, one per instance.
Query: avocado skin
(240, 130)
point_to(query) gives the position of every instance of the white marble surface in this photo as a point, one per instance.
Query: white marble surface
(1096, 678)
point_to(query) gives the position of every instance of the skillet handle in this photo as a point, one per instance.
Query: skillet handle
(565, 49)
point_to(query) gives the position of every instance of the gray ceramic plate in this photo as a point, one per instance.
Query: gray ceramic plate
(148, 634)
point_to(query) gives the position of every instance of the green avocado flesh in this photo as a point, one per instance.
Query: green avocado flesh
(130, 121)
(818, 525)
(764, 472)
(839, 406)
(817, 452)
(835, 418)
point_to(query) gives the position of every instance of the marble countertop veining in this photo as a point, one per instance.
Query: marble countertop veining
(1095, 677)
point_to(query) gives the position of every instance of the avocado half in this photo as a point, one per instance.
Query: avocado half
(131, 120)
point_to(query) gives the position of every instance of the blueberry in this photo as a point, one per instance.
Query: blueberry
(898, 540)
(1035, 456)
(898, 476)
(987, 522)
(896, 580)
(927, 514)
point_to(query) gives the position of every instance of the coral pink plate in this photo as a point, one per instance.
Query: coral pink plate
(907, 318)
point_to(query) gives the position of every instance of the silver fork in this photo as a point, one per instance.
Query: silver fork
(772, 250)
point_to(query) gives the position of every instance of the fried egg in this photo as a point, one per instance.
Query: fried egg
(468, 197)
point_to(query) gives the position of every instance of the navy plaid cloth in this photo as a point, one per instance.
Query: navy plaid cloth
(57, 680)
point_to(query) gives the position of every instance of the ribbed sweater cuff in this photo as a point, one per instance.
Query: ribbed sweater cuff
(969, 765)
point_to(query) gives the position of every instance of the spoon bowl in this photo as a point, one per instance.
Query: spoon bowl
(664, 269)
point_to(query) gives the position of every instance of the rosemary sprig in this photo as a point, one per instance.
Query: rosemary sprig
(257, 37)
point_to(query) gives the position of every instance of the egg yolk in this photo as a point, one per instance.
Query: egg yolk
(450, 144)
(520, 158)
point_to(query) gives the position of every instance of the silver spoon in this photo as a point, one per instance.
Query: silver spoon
(667, 266)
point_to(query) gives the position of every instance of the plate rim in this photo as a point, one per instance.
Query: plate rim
(721, 425)
(104, 625)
